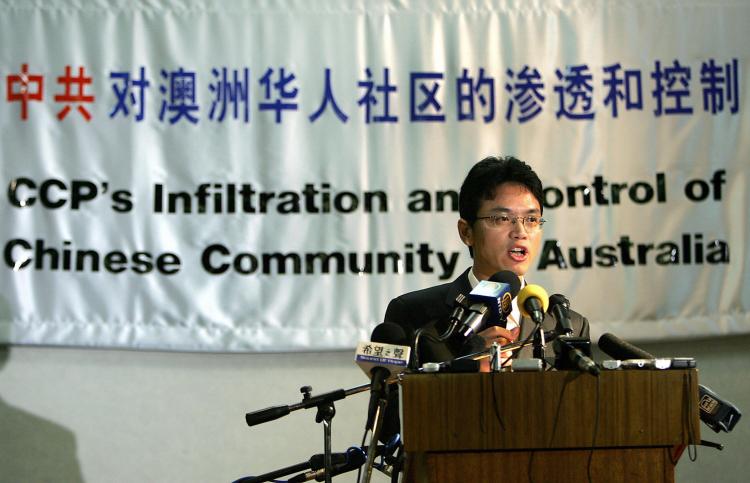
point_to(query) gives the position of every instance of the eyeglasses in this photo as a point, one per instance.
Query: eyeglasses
(531, 222)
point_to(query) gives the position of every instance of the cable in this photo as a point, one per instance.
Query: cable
(596, 428)
(417, 337)
(693, 455)
(494, 402)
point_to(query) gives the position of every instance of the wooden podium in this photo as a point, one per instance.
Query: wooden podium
(625, 426)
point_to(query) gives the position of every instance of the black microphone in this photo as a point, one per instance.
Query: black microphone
(618, 349)
(386, 333)
(559, 307)
(570, 350)
(355, 457)
(316, 462)
(459, 307)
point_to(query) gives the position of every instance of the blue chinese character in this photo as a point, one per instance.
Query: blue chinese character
(577, 89)
(328, 99)
(674, 83)
(428, 84)
(369, 100)
(720, 85)
(126, 93)
(467, 91)
(285, 93)
(626, 89)
(180, 96)
(526, 91)
(226, 93)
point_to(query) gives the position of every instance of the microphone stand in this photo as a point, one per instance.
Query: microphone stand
(513, 346)
(376, 427)
(539, 343)
(326, 412)
(272, 475)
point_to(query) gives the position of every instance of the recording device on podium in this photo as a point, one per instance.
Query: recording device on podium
(716, 412)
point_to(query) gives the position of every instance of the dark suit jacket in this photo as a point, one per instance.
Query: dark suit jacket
(431, 308)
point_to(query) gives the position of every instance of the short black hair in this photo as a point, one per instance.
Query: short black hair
(489, 173)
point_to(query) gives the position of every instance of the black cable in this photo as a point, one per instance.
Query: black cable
(557, 413)
(554, 423)
(494, 402)
(693, 455)
(417, 337)
(531, 466)
(596, 428)
(362, 445)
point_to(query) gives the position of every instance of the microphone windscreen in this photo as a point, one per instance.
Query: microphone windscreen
(389, 333)
(532, 291)
(618, 349)
(510, 278)
(558, 299)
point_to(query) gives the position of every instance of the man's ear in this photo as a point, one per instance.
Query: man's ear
(465, 232)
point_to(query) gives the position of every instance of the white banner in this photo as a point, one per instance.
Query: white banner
(233, 176)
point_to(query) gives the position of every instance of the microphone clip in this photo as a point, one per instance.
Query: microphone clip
(574, 353)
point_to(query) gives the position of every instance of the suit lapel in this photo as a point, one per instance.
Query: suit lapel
(459, 285)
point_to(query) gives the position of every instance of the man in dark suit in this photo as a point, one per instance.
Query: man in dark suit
(500, 208)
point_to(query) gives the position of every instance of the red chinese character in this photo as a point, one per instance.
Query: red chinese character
(23, 93)
(80, 82)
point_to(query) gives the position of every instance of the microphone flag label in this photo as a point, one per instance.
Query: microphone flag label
(495, 294)
(377, 354)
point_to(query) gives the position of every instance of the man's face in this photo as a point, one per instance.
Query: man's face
(510, 247)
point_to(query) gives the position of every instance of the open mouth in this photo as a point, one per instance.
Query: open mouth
(518, 253)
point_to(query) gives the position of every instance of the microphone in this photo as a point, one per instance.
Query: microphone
(559, 307)
(577, 350)
(355, 457)
(317, 461)
(387, 353)
(533, 302)
(511, 279)
(491, 302)
(393, 359)
(573, 349)
(459, 307)
(618, 349)
(717, 413)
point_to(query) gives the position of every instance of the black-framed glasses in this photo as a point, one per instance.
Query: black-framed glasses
(530, 222)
